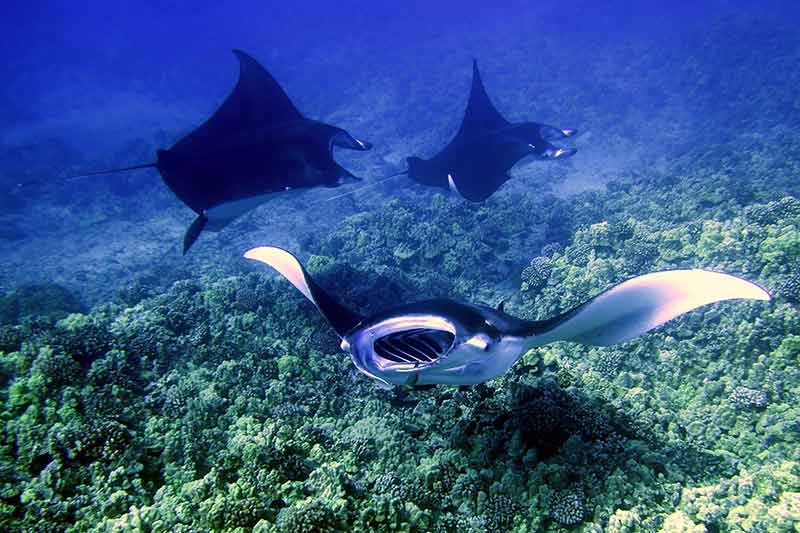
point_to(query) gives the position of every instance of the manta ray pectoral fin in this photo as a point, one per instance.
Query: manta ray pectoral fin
(480, 115)
(339, 317)
(345, 176)
(193, 232)
(340, 177)
(642, 303)
(477, 193)
(451, 182)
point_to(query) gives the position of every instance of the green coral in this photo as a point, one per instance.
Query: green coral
(536, 274)
(567, 507)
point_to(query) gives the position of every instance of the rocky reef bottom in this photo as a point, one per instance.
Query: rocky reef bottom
(224, 403)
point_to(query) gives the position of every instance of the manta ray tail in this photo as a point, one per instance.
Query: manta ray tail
(339, 317)
(359, 189)
(67, 179)
(640, 304)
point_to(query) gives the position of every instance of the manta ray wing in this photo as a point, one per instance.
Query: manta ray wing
(481, 116)
(641, 304)
(476, 175)
(340, 318)
(256, 101)
(205, 167)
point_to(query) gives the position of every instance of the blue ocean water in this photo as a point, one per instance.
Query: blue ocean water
(145, 390)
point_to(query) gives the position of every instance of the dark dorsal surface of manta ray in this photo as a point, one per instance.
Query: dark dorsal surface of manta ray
(477, 161)
(455, 343)
(254, 145)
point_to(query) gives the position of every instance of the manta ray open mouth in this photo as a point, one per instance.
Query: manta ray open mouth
(416, 347)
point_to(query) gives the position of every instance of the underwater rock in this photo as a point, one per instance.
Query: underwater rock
(609, 361)
(747, 398)
(500, 513)
(579, 253)
(10, 338)
(552, 248)
(678, 522)
(639, 254)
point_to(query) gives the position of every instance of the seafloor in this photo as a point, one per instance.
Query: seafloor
(142, 391)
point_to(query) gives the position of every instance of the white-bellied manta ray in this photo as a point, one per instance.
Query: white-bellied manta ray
(455, 343)
(477, 161)
(254, 145)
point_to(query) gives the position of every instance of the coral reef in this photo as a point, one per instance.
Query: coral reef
(224, 405)
(567, 507)
(536, 274)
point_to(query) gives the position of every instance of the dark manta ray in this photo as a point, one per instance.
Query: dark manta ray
(455, 343)
(477, 161)
(256, 144)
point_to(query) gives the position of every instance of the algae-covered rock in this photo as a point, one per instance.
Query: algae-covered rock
(623, 521)
(678, 522)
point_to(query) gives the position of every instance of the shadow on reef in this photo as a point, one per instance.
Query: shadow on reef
(569, 426)
(578, 441)
(48, 301)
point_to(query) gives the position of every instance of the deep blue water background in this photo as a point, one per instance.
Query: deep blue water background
(96, 84)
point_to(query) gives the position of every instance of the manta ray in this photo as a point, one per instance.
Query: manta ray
(456, 343)
(254, 145)
(477, 161)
